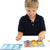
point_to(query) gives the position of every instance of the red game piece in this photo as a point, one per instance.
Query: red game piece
(33, 40)
(27, 45)
(49, 40)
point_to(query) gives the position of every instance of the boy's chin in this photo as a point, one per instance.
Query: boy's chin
(32, 16)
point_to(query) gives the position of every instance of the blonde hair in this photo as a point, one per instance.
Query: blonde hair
(32, 3)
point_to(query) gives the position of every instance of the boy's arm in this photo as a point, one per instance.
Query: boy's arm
(19, 36)
(20, 29)
(20, 33)
(42, 35)
(42, 29)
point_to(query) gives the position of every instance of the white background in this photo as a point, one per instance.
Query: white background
(10, 13)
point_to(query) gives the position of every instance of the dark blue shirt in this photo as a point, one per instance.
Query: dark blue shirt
(31, 28)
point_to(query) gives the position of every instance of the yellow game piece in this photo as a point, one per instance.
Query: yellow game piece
(34, 45)
(33, 42)
(39, 42)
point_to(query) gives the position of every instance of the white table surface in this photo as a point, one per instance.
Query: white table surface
(45, 41)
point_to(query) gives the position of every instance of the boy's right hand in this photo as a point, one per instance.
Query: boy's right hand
(19, 36)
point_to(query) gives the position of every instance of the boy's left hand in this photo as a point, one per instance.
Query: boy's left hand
(42, 35)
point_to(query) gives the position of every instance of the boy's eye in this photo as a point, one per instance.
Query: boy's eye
(28, 10)
(33, 10)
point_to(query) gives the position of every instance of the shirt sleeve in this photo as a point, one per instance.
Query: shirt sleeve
(42, 25)
(20, 26)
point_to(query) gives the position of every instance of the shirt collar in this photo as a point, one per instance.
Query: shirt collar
(29, 18)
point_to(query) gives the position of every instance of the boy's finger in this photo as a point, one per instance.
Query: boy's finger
(43, 37)
(39, 39)
(17, 39)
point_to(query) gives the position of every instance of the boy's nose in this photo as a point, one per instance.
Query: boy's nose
(31, 13)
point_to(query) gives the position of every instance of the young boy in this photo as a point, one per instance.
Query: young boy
(31, 23)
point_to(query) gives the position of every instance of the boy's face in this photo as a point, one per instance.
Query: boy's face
(31, 11)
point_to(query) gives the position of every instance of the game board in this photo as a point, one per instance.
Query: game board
(33, 43)
(11, 47)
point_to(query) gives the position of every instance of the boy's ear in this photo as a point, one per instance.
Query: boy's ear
(25, 8)
(37, 8)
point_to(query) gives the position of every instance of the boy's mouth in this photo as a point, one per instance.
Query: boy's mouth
(31, 15)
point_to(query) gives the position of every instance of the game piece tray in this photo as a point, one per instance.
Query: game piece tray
(36, 43)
